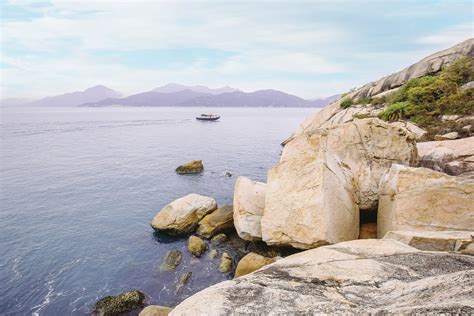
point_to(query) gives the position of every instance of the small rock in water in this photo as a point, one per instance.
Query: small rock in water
(219, 238)
(228, 174)
(155, 310)
(194, 166)
(183, 280)
(213, 253)
(124, 302)
(172, 260)
(196, 246)
(226, 263)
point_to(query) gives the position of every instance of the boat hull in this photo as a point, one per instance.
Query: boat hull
(208, 118)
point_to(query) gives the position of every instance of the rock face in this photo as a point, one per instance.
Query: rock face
(196, 246)
(194, 166)
(454, 157)
(453, 241)
(216, 222)
(357, 277)
(250, 263)
(309, 201)
(124, 302)
(155, 310)
(249, 202)
(420, 199)
(182, 215)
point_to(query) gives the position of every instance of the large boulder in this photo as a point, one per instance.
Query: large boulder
(358, 277)
(249, 202)
(420, 199)
(250, 263)
(216, 222)
(309, 201)
(182, 215)
(454, 157)
(434, 240)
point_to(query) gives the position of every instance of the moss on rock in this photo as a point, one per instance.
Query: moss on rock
(124, 302)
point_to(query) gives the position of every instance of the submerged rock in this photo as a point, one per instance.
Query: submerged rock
(182, 215)
(357, 277)
(196, 246)
(213, 253)
(456, 241)
(172, 260)
(420, 199)
(249, 202)
(183, 280)
(155, 310)
(226, 263)
(124, 302)
(219, 238)
(218, 221)
(194, 166)
(250, 263)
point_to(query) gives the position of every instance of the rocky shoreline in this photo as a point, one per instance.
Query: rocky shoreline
(374, 219)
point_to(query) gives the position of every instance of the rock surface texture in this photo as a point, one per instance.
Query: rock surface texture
(420, 199)
(182, 215)
(216, 222)
(454, 241)
(454, 157)
(249, 202)
(356, 277)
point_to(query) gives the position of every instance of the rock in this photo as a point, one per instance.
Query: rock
(450, 117)
(357, 277)
(172, 260)
(420, 199)
(469, 85)
(418, 133)
(196, 246)
(155, 310)
(309, 201)
(250, 263)
(124, 302)
(226, 263)
(218, 221)
(213, 253)
(467, 128)
(249, 202)
(194, 166)
(182, 215)
(434, 240)
(454, 157)
(219, 238)
(448, 136)
(368, 231)
(183, 280)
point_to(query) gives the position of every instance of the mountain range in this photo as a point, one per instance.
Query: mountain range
(173, 94)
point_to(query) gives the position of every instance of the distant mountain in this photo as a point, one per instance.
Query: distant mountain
(14, 101)
(174, 87)
(261, 98)
(321, 102)
(91, 95)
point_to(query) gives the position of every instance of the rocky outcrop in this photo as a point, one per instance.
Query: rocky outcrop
(357, 277)
(249, 202)
(122, 303)
(420, 199)
(309, 201)
(454, 157)
(250, 263)
(182, 215)
(155, 310)
(196, 246)
(194, 166)
(216, 222)
(457, 241)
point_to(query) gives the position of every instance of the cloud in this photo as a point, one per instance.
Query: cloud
(450, 36)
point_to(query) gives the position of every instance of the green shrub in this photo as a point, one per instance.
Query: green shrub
(396, 111)
(459, 72)
(346, 103)
(360, 116)
(364, 100)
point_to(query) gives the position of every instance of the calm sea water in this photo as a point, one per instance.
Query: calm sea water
(79, 187)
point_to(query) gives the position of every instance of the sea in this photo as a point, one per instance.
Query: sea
(80, 186)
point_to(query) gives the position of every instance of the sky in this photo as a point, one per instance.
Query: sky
(306, 48)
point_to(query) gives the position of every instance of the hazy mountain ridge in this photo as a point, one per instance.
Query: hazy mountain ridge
(174, 87)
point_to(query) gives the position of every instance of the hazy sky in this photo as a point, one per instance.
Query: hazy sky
(308, 48)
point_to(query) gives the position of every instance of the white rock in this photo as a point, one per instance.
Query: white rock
(182, 215)
(420, 199)
(450, 117)
(434, 240)
(417, 132)
(249, 202)
(448, 136)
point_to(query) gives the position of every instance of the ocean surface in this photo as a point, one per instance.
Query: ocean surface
(79, 187)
